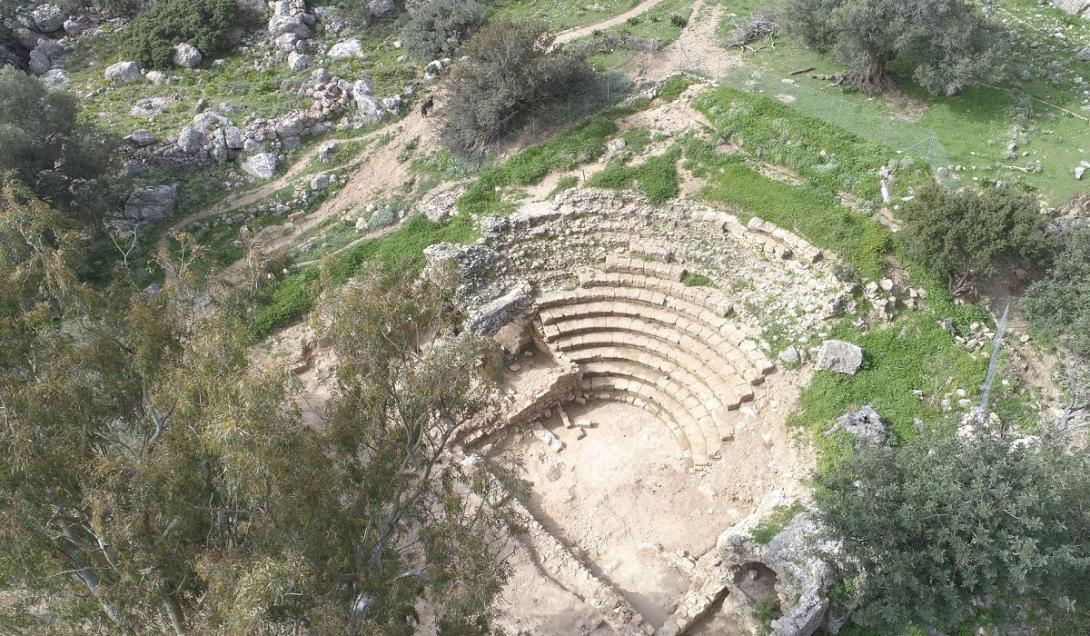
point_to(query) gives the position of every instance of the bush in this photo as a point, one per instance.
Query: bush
(934, 530)
(1059, 304)
(150, 38)
(45, 148)
(506, 74)
(966, 235)
(439, 27)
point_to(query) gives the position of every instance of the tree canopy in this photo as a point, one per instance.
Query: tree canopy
(46, 148)
(945, 44)
(1059, 304)
(968, 234)
(941, 530)
(152, 479)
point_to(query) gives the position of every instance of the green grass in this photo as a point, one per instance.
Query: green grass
(565, 183)
(295, 295)
(974, 127)
(656, 178)
(696, 280)
(655, 24)
(826, 155)
(582, 144)
(810, 211)
(774, 523)
(673, 87)
(561, 14)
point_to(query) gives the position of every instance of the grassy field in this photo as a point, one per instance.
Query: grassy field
(560, 14)
(976, 127)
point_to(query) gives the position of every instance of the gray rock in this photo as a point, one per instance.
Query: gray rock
(1084, 54)
(149, 107)
(218, 150)
(210, 119)
(27, 38)
(232, 136)
(840, 357)
(865, 425)
(189, 140)
(286, 42)
(369, 107)
(790, 355)
(261, 165)
(39, 62)
(392, 103)
(319, 182)
(123, 73)
(1073, 7)
(55, 79)
(186, 55)
(284, 24)
(325, 151)
(382, 8)
(73, 27)
(48, 18)
(152, 203)
(156, 77)
(291, 125)
(298, 61)
(487, 320)
(346, 49)
(141, 138)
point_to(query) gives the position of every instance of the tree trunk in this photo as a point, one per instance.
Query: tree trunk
(873, 79)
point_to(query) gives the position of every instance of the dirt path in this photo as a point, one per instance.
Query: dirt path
(579, 32)
(250, 197)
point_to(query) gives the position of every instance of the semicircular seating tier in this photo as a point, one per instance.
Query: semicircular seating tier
(614, 300)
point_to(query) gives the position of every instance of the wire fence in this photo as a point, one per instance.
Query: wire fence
(869, 123)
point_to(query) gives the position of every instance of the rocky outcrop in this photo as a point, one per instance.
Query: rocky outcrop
(151, 204)
(123, 73)
(291, 25)
(865, 425)
(48, 18)
(261, 165)
(492, 316)
(840, 357)
(186, 55)
(791, 566)
(346, 49)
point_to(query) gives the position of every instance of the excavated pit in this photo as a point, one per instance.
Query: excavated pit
(647, 415)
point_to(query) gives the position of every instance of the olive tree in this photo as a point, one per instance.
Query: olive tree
(940, 529)
(439, 27)
(945, 44)
(1059, 304)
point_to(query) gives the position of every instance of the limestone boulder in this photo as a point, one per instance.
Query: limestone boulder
(186, 55)
(298, 61)
(840, 357)
(346, 49)
(261, 165)
(493, 315)
(48, 18)
(190, 141)
(152, 203)
(141, 138)
(123, 73)
(1073, 7)
(865, 425)
(382, 8)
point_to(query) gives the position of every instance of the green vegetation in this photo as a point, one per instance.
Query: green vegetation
(974, 127)
(47, 150)
(828, 156)
(656, 178)
(206, 24)
(673, 87)
(810, 211)
(584, 143)
(1059, 304)
(947, 44)
(774, 522)
(402, 250)
(938, 523)
(657, 27)
(506, 72)
(967, 235)
(696, 280)
(559, 14)
(436, 29)
(564, 183)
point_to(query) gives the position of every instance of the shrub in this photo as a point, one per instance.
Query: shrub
(439, 27)
(965, 235)
(656, 178)
(506, 74)
(1060, 303)
(150, 38)
(45, 148)
(932, 528)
